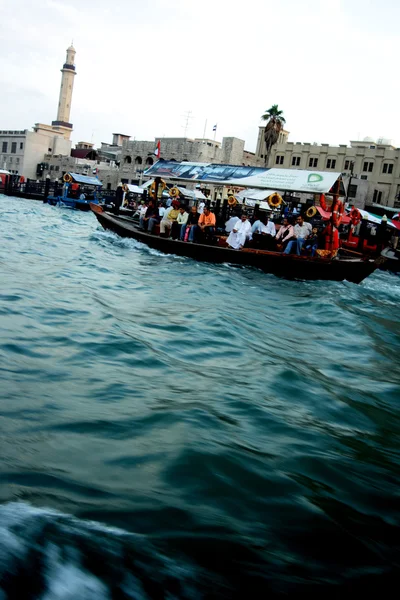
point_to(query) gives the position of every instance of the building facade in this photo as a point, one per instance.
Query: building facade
(375, 162)
(22, 150)
(137, 156)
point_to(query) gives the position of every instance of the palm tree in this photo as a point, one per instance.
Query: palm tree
(275, 124)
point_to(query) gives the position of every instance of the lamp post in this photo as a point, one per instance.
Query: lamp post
(351, 177)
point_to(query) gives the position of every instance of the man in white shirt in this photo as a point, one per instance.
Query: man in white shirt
(177, 225)
(239, 233)
(301, 231)
(230, 224)
(263, 231)
(200, 207)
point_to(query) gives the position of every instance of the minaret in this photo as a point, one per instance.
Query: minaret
(67, 85)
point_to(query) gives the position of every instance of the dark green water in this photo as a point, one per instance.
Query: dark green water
(172, 429)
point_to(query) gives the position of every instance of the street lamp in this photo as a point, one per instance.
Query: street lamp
(351, 177)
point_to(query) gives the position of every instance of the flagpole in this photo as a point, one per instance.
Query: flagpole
(215, 132)
(205, 127)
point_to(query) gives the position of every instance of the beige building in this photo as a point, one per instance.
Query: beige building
(21, 151)
(375, 162)
(137, 156)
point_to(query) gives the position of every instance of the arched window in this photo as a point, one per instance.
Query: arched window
(138, 160)
(149, 161)
(127, 160)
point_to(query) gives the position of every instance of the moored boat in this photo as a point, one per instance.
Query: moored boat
(78, 192)
(290, 266)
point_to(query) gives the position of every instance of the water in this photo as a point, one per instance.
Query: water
(171, 429)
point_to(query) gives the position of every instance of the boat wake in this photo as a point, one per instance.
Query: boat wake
(49, 555)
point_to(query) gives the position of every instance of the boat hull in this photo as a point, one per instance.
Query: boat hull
(283, 265)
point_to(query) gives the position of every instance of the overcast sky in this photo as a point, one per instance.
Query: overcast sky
(331, 66)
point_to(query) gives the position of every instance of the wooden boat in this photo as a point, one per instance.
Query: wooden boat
(284, 265)
(78, 192)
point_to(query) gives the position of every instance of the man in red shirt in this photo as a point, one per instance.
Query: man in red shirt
(205, 227)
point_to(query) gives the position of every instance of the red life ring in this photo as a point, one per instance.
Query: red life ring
(355, 216)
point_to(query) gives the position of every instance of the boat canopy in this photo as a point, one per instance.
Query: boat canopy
(135, 189)
(291, 180)
(84, 179)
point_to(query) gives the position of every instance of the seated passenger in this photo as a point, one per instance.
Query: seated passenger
(188, 229)
(170, 216)
(285, 234)
(142, 212)
(239, 233)
(205, 227)
(263, 232)
(301, 231)
(179, 223)
(230, 223)
(150, 213)
(156, 218)
(311, 242)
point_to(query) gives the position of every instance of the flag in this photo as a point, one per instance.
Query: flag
(157, 151)
(215, 128)
(95, 171)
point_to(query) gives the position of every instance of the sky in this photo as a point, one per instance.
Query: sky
(330, 65)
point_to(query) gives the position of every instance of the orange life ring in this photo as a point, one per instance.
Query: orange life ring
(232, 201)
(67, 178)
(355, 216)
(275, 200)
(337, 212)
(311, 212)
(174, 192)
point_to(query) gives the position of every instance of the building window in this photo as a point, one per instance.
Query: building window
(295, 161)
(149, 161)
(352, 190)
(368, 166)
(13, 147)
(377, 199)
(313, 162)
(21, 146)
(138, 160)
(331, 163)
(364, 177)
(51, 167)
(127, 160)
(17, 160)
(56, 168)
(279, 159)
(387, 168)
(4, 147)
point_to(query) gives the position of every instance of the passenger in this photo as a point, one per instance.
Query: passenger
(285, 234)
(205, 227)
(263, 232)
(301, 231)
(239, 234)
(200, 207)
(153, 221)
(179, 223)
(188, 229)
(142, 213)
(311, 243)
(230, 223)
(119, 196)
(151, 213)
(170, 216)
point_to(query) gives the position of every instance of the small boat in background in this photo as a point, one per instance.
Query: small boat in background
(77, 192)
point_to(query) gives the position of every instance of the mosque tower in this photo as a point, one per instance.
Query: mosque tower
(67, 85)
